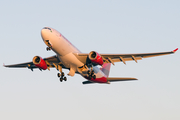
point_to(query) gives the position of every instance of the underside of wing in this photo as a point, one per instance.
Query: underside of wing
(50, 61)
(21, 65)
(112, 58)
(133, 57)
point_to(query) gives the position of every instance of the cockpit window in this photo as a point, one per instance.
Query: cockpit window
(47, 28)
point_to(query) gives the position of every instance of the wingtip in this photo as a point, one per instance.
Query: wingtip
(175, 50)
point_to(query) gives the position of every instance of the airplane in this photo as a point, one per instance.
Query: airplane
(93, 66)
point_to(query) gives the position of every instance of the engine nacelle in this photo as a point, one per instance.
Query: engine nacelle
(95, 58)
(39, 62)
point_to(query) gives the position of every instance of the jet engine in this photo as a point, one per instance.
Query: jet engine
(39, 62)
(96, 58)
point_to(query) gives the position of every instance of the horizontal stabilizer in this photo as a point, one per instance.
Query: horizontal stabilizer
(87, 82)
(120, 79)
(112, 80)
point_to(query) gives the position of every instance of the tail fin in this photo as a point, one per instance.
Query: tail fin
(106, 68)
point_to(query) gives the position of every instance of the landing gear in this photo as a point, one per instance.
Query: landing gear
(94, 76)
(65, 78)
(62, 77)
(58, 74)
(48, 48)
(88, 72)
(91, 74)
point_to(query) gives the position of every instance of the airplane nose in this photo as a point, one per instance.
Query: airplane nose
(44, 34)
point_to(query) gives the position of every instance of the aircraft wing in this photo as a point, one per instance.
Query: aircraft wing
(111, 58)
(50, 61)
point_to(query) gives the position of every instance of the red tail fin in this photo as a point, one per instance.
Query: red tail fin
(106, 68)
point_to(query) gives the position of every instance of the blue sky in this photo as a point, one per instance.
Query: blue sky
(116, 26)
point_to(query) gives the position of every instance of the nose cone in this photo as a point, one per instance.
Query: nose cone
(45, 33)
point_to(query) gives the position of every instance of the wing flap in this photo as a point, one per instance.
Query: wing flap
(125, 59)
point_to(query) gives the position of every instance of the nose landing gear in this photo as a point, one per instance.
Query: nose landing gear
(47, 42)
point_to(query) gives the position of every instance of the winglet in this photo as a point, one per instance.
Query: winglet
(175, 50)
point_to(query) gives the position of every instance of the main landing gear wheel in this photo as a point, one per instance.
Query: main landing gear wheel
(59, 75)
(48, 48)
(91, 74)
(88, 72)
(62, 77)
(94, 76)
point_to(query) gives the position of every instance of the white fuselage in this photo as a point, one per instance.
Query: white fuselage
(62, 47)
